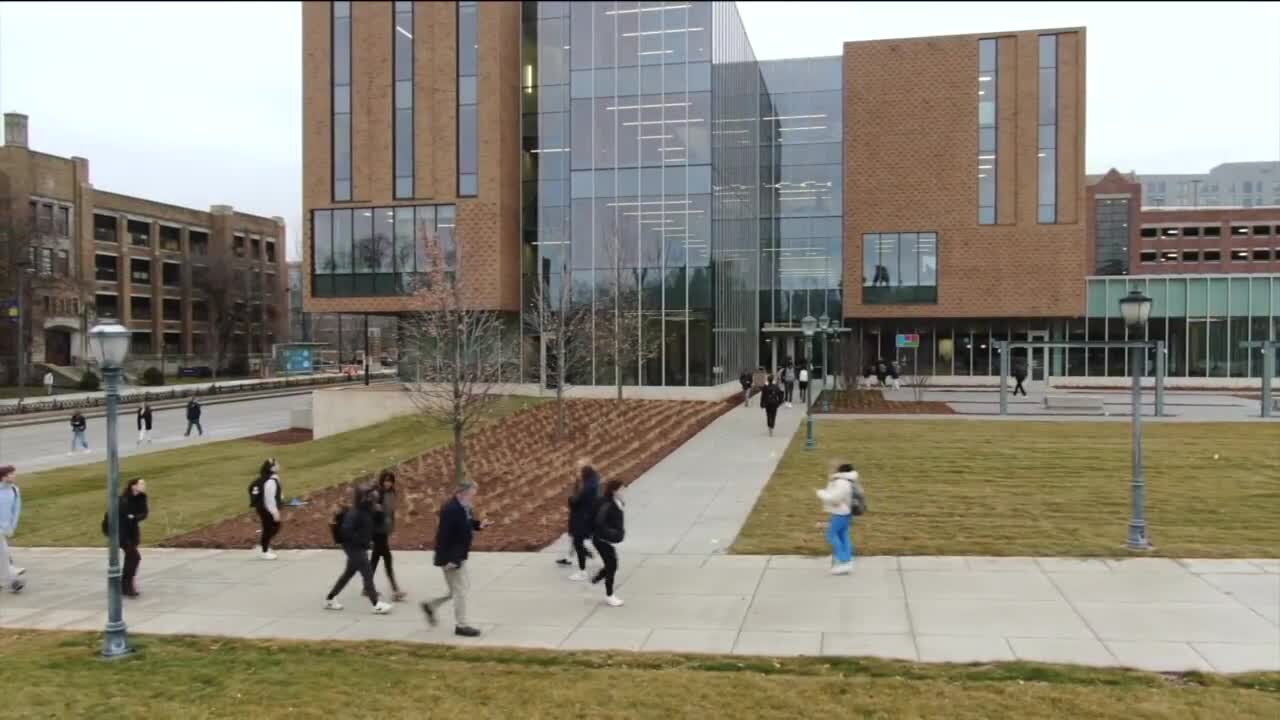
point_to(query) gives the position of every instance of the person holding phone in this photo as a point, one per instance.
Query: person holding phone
(454, 534)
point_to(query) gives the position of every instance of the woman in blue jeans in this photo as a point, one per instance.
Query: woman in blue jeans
(841, 498)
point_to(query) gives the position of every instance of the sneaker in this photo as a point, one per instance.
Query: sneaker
(430, 613)
(16, 586)
(268, 555)
(613, 601)
(382, 607)
(399, 595)
(564, 561)
(578, 576)
(332, 605)
(466, 631)
(842, 569)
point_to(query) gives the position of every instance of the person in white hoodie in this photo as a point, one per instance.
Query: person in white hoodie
(842, 498)
(10, 512)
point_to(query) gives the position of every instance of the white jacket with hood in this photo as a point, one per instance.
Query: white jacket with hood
(837, 497)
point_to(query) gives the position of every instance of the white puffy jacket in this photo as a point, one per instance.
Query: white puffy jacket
(837, 497)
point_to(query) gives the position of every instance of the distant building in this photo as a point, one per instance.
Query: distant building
(92, 254)
(1235, 184)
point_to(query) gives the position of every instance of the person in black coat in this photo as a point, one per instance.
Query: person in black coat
(78, 427)
(771, 398)
(356, 533)
(582, 505)
(133, 510)
(1020, 375)
(745, 381)
(453, 544)
(610, 530)
(193, 417)
(144, 423)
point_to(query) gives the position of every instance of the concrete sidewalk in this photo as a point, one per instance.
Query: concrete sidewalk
(1161, 615)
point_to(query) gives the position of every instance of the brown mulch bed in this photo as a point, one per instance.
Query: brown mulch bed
(873, 402)
(291, 436)
(524, 474)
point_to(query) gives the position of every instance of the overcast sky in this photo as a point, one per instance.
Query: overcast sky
(199, 103)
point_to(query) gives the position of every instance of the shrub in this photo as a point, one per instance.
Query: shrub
(90, 382)
(152, 376)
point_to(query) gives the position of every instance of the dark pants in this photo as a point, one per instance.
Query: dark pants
(357, 562)
(804, 392)
(269, 529)
(609, 555)
(746, 396)
(196, 425)
(770, 416)
(1019, 387)
(580, 548)
(132, 559)
(789, 388)
(382, 551)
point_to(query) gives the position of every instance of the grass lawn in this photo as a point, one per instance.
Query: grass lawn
(974, 487)
(217, 677)
(195, 486)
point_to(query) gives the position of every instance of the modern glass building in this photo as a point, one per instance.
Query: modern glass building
(641, 171)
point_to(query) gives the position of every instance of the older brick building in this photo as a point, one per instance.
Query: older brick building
(90, 254)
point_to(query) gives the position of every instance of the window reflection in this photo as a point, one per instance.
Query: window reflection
(988, 111)
(379, 251)
(900, 268)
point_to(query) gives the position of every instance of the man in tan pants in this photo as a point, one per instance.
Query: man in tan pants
(453, 545)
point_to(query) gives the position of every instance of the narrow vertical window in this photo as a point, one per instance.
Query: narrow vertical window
(403, 39)
(468, 141)
(987, 118)
(1047, 146)
(341, 100)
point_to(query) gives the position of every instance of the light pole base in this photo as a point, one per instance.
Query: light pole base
(115, 643)
(809, 442)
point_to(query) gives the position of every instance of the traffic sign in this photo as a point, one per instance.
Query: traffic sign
(908, 341)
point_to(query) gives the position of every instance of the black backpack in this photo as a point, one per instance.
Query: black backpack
(337, 526)
(255, 493)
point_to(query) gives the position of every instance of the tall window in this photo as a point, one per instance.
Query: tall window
(341, 100)
(468, 142)
(987, 68)
(899, 268)
(1111, 236)
(403, 37)
(380, 251)
(1048, 136)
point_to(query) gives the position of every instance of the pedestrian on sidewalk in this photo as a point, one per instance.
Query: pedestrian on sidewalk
(48, 382)
(354, 530)
(453, 544)
(757, 380)
(610, 529)
(1020, 376)
(804, 384)
(771, 399)
(193, 417)
(10, 512)
(384, 523)
(132, 510)
(788, 382)
(842, 498)
(895, 372)
(265, 497)
(745, 381)
(882, 372)
(582, 505)
(78, 427)
(144, 423)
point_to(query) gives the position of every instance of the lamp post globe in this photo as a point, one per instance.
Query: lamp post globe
(808, 325)
(109, 342)
(1135, 308)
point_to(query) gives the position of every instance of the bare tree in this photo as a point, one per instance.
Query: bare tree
(564, 329)
(457, 351)
(918, 378)
(618, 324)
(226, 295)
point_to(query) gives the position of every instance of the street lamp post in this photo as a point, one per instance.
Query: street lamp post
(824, 331)
(110, 344)
(807, 326)
(1135, 308)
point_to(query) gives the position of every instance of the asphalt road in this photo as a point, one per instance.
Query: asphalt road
(44, 446)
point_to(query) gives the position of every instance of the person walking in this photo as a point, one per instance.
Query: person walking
(132, 511)
(895, 372)
(804, 383)
(745, 381)
(10, 512)
(771, 398)
(454, 534)
(144, 423)
(265, 497)
(882, 372)
(842, 498)
(354, 530)
(48, 382)
(1020, 376)
(384, 523)
(609, 530)
(789, 382)
(193, 417)
(78, 427)
(582, 505)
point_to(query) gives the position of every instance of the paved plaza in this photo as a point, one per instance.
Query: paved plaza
(683, 594)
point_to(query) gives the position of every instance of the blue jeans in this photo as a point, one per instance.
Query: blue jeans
(838, 536)
(77, 436)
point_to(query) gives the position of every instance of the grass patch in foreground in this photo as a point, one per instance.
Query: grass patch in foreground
(196, 486)
(977, 487)
(218, 677)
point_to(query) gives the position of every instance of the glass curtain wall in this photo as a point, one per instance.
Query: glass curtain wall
(617, 171)
(801, 204)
